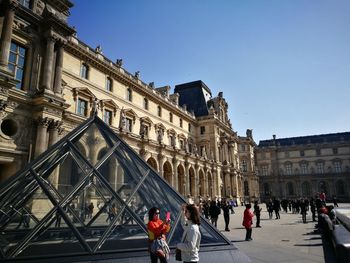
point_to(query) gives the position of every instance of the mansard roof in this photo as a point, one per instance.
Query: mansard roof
(305, 140)
(191, 95)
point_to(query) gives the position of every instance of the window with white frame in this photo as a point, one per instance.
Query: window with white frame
(288, 168)
(129, 94)
(84, 71)
(109, 83)
(82, 107)
(25, 3)
(128, 125)
(107, 117)
(337, 166)
(320, 168)
(16, 63)
(264, 170)
(303, 168)
(244, 167)
(145, 103)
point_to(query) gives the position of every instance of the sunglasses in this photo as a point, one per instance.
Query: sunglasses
(157, 213)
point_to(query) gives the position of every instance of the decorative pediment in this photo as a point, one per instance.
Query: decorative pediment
(171, 132)
(181, 136)
(131, 114)
(110, 104)
(83, 91)
(146, 120)
(159, 126)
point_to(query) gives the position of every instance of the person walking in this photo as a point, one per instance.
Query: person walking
(257, 213)
(156, 230)
(248, 222)
(191, 237)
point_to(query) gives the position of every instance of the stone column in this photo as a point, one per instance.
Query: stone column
(160, 162)
(196, 181)
(41, 134)
(53, 132)
(187, 179)
(58, 70)
(48, 64)
(175, 179)
(6, 34)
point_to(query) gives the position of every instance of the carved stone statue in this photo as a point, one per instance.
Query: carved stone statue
(98, 49)
(119, 62)
(151, 84)
(95, 106)
(160, 135)
(122, 124)
(137, 74)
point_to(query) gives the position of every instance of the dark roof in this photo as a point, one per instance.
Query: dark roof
(311, 139)
(192, 95)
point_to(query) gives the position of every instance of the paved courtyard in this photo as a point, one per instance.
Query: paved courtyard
(283, 240)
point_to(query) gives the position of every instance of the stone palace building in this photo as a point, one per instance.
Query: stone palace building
(304, 166)
(51, 81)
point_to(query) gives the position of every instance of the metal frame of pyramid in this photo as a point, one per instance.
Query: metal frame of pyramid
(88, 196)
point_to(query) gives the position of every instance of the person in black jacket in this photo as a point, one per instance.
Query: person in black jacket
(226, 208)
(214, 212)
(257, 212)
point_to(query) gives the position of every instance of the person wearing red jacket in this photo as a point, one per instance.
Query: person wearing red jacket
(248, 222)
(156, 229)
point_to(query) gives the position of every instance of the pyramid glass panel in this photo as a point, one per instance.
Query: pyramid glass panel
(88, 196)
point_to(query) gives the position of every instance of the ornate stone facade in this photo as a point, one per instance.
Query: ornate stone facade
(304, 166)
(65, 81)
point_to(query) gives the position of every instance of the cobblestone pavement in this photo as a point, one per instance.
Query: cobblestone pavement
(283, 240)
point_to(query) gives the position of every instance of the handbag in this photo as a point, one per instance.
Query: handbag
(160, 248)
(178, 255)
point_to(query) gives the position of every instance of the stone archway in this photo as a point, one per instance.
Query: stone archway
(168, 172)
(153, 163)
(181, 186)
(323, 187)
(202, 189)
(340, 188)
(192, 181)
(290, 189)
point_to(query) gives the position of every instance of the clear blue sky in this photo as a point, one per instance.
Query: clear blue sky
(283, 65)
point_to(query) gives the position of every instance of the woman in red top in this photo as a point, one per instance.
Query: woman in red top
(248, 222)
(156, 229)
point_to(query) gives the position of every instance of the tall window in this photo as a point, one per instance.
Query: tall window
(337, 167)
(289, 169)
(189, 127)
(109, 84)
(82, 107)
(244, 166)
(84, 71)
(145, 104)
(181, 123)
(318, 151)
(264, 170)
(128, 125)
(302, 153)
(107, 117)
(16, 63)
(170, 117)
(159, 111)
(320, 168)
(335, 150)
(202, 129)
(129, 94)
(303, 168)
(25, 3)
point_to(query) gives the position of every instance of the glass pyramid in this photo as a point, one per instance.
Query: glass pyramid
(89, 194)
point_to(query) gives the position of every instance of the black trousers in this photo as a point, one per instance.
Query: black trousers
(154, 259)
(248, 234)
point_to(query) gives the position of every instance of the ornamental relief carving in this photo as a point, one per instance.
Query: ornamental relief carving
(51, 111)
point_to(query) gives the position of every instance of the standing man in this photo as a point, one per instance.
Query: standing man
(257, 212)
(226, 209)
